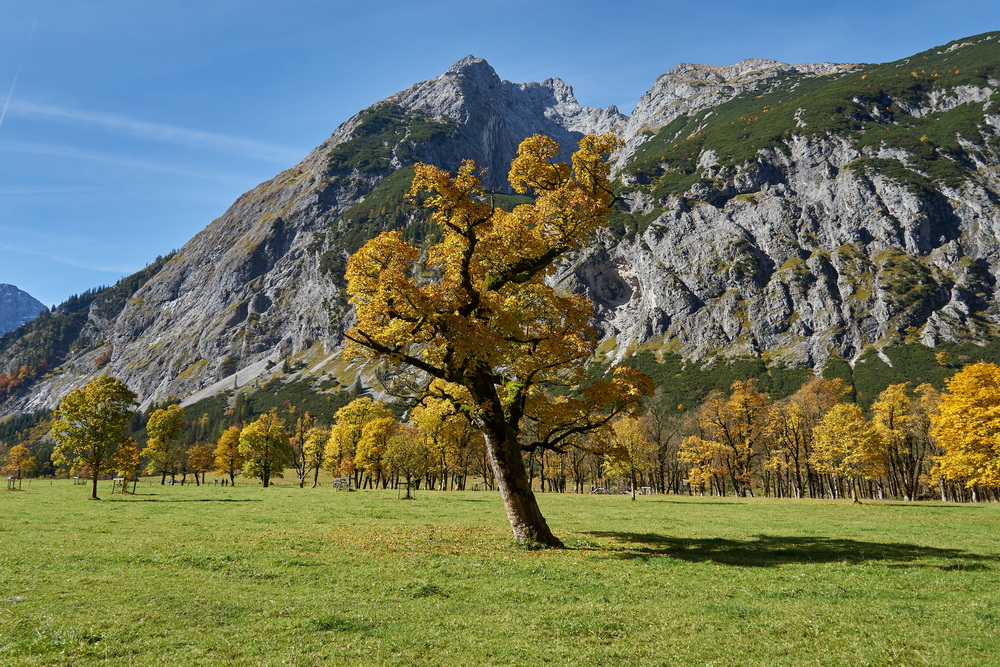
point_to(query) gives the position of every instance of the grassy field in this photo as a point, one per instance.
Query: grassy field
(312, 576)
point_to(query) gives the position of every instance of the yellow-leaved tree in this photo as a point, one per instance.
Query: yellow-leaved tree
(342, 445)
(476, 313)
(314, 450)
(370, 454)
(706, 462)
(847, 449)
(901, 418)
(265, 448)
(407, 453)
(228, 458)
(91, 424)
(967, 427)
(164, 449)
(127, 464)
(450, 436)
(631, 453)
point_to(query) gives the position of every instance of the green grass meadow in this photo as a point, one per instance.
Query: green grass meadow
(246, 575)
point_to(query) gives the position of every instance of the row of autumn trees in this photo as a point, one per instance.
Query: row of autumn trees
(914, 442)
(366, 445)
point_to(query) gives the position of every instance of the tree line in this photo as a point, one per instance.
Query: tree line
(914, 443)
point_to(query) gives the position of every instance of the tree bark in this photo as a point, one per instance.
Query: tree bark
(526, 520)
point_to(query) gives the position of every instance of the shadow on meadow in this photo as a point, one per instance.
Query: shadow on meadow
(773, 550)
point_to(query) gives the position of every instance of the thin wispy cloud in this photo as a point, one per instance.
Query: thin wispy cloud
(17, 74)
(162, 133)
(119, 160)
(71, 260)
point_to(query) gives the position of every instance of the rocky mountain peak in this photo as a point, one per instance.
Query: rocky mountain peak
(474, 68)
(17, 307)
(495, 115)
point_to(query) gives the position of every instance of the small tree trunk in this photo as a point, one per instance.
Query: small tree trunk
(93, 488)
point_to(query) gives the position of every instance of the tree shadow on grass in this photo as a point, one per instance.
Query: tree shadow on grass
(774, 550)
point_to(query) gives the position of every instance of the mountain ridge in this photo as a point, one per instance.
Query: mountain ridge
(747, 225)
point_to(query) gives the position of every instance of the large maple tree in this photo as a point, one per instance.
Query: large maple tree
(475, 313)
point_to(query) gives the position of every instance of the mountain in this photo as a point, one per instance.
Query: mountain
(788, 212)
(17, 307)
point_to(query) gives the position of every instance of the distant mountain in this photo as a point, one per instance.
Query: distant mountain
(17, 307)
(784, 212)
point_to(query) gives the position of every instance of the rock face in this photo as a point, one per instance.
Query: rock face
(809, 259)
(17, 307)
(796, 235)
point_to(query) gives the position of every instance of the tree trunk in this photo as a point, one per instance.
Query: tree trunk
(93, 490)
(526, 520)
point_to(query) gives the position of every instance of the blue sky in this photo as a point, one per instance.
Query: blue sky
(127, 126)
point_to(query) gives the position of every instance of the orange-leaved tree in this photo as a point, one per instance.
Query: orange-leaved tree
(739, 423)
(791, 428)
(17, 461)
(475, 311)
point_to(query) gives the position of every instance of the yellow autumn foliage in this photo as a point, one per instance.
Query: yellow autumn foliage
(967, 426)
